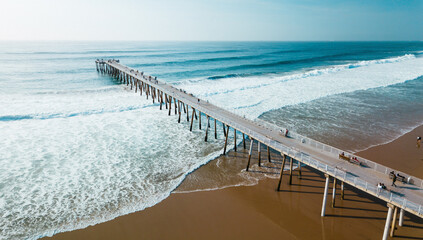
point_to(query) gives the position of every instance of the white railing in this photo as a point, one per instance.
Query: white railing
(335, 152)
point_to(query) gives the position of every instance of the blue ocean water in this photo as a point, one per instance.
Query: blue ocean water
(77, 148)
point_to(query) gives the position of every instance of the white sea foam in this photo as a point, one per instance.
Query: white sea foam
(60, 174)
(251, 96)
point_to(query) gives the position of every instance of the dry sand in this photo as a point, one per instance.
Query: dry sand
(260, 212)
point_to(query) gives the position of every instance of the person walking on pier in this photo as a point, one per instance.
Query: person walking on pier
(394, 179)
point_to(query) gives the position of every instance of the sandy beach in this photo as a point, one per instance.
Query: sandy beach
(260, 212)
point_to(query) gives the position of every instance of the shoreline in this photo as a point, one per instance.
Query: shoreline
(250, 212)
(413, 128)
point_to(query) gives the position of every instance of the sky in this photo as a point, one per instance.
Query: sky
(212, 20)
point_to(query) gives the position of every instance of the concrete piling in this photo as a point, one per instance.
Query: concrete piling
(192, 119)
(291, 162)
(394, 220)
(401, 217)
(235, 139)
(243, 140)
(207, 128)
(268, 154)
(249, 153)
(325, 194)
(215, 129)
(259, 153)
(333, 192)
(388, 221)
(281, 174)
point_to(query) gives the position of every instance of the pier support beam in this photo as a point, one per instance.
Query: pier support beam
(291, 162)
(282, 167)
(187, 113)
(259, 153)
(325, 194)
(342, 190)
(333, 192)
(215, 129)
(249, 153)
(299, 169)
(174, 102)
(388, 222)
(226, 140)
(207, 128)
(199, 120)
(224, 130)
(170, 104)
(179, 111)
(394, 221)
(235, 139)
(243, 141)
(192, 119)
(268, 154)
(401, 217)
(161, 99)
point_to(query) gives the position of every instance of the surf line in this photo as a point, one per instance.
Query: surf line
(334, 163)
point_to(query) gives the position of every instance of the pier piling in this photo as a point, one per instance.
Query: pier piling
(215, 129)
(226, 140)
(299, 169)
(325, 194)
(199, 120)
(333, 192)
(234, 139)
(401, 217)
(249, 153)
(207, 128)
(394, 220)
(259, 153)
(281, 174)
(268, 154)
(388, 222)
(179, 111)
(243, 140)
(291, 161)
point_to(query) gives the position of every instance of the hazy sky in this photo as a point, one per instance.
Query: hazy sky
(247, 20)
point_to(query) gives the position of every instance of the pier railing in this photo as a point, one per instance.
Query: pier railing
(336, 151)
(387, 196)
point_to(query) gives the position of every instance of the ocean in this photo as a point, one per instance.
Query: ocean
(78, 148)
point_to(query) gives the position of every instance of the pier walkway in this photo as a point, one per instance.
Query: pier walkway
(363, 174)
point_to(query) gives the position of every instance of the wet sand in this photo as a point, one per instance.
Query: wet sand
(259, 211)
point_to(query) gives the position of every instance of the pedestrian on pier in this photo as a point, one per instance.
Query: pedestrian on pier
(394, 179)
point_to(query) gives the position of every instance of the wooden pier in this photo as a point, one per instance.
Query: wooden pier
(335, 163)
